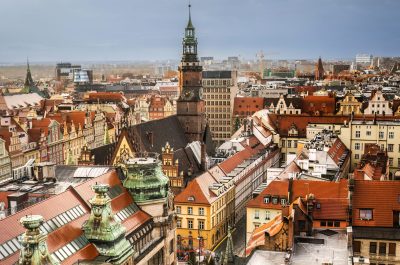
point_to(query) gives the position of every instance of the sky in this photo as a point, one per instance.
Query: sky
(113, 30)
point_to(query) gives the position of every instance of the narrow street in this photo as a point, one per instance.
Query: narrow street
(238, 237)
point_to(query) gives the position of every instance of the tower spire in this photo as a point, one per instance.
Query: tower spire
(190, 16)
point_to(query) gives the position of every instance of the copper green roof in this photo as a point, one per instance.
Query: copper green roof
(145, 179)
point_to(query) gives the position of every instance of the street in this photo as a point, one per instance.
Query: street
(238, 238)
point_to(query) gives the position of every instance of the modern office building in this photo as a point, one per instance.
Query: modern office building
(219, 91)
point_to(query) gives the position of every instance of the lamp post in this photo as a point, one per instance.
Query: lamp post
(200, 241)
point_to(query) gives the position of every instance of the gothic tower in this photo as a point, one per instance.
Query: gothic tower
(190, 106)
(319, 70)
(28, 78)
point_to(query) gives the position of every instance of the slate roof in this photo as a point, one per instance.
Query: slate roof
(154, 134)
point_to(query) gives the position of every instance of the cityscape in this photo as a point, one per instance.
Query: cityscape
(243, 153)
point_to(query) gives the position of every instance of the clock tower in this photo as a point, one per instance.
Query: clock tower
(190, 106)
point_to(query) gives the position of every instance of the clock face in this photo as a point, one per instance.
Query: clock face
(188, 94)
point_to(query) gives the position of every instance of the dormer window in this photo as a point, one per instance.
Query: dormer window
(275, 200)
(283, 201)
(267, 199)
(191, 198)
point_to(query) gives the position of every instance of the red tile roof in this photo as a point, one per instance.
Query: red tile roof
(320, 189)
(332, 196)
(320, 104)
(245, 106)
(62, 202)
(337, 150)
(383, 197)
(232, 162)
(282, 123)
(195, 189)
(275, 188)
(105, 97)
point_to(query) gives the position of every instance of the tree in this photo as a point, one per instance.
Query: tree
(237, 124)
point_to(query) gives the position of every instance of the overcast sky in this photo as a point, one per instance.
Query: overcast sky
(101, 30)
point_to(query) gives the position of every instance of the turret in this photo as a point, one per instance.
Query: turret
(101, 229)
(33, 243)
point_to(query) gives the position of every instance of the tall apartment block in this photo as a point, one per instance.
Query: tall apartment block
(219, 91)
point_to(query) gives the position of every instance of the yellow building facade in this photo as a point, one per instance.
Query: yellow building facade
(205, 209)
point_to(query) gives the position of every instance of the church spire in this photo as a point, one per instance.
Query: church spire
(189, 41)
(229, 257)
(28, 79)
(190, 25)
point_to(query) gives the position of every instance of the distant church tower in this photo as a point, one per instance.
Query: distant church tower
(319, 70)
(28, 84)
(190, 106)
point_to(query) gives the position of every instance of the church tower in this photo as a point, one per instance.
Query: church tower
(190, 106)
(319, 70)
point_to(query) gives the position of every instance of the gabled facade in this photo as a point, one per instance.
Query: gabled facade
(284, 105)
(349, 105)
(378, 105)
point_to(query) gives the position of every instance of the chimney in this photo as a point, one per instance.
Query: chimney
(312, 154)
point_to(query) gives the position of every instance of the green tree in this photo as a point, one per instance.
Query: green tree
(237, 124)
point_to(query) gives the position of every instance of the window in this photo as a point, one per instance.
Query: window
(336, 224)
(356, 156)
(201, 211)
(391, 161)
(267, 215)
(190, 224)
(358, 134)
(368, 133)
(323, 223)
(266, 199)
(390, 147)
(382, 248)
(391, 135)
(357, 246)
(372, 247)
(171, 246)
(201, 225)
(392, 249)
(381, 135)
(256, 214)
(357, 146)
(366, 214)
(283, 201)
(179, 223)
(275, 200)
(190, 210)
(178, 209)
